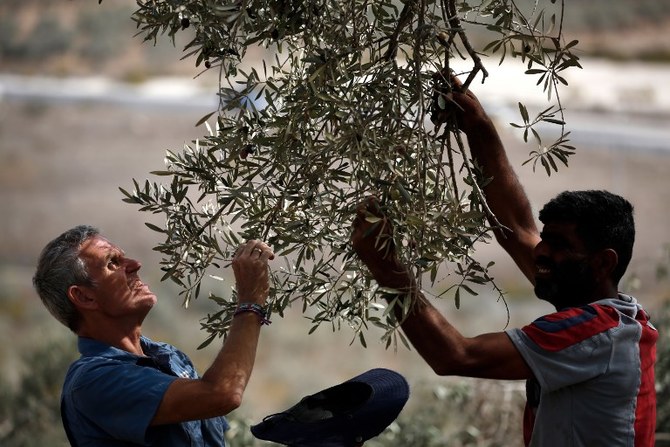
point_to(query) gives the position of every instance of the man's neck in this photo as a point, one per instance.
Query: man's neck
(125, 338)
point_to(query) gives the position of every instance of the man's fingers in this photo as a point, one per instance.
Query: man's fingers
(369, 206)
(455, 82)
(372, 229)
(255, 248)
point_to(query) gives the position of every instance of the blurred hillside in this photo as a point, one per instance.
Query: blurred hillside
(67, 38)
(75, 38)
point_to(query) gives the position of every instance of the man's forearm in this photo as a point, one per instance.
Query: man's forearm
(233, 365)
(434, 338)
(505, 196)
(222, 386)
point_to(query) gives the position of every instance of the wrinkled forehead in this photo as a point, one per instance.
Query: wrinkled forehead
(98, 248)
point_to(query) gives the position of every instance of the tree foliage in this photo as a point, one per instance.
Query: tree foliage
(347, 99)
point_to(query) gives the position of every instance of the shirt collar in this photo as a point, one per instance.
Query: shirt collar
(89, 347)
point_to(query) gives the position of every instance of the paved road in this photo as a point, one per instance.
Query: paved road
(161, 92)
(603, 107)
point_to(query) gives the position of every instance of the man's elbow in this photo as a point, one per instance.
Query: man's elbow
(441, 369)
(463, 370)
(229, 400)
(457, 364)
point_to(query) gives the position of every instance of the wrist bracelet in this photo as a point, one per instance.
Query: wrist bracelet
(255, 308)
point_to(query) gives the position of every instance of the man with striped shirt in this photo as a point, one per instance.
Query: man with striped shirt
(589, 366)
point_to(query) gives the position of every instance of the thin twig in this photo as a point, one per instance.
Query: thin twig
(455, 24)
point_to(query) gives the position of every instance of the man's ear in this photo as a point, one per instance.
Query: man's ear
(608, 260)
(80, 297)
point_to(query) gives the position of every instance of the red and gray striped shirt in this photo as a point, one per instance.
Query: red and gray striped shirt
(594, 376)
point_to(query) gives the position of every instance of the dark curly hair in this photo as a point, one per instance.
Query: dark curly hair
(604, 220)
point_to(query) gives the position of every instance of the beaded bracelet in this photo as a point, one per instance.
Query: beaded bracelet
(255, 308)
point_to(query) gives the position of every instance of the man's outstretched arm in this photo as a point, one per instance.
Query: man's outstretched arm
(504, 194)
(219, 391)
(440, 344)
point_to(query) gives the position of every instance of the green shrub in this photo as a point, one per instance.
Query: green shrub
(30, 411)
(662, 322)
(9, 44)
(48, 38)
(105, 33)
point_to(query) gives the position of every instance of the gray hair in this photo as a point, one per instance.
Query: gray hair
(59, 267)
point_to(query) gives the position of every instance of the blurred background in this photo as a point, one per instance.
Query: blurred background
(85, 108)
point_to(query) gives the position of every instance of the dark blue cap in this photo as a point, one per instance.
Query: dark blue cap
(345, 415)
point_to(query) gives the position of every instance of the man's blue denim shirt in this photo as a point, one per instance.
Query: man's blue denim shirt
(110, 397)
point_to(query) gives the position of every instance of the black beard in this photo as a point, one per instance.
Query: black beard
(570, 284)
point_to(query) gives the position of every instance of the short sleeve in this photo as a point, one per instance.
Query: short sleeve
(567, 347)
(120, 398)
